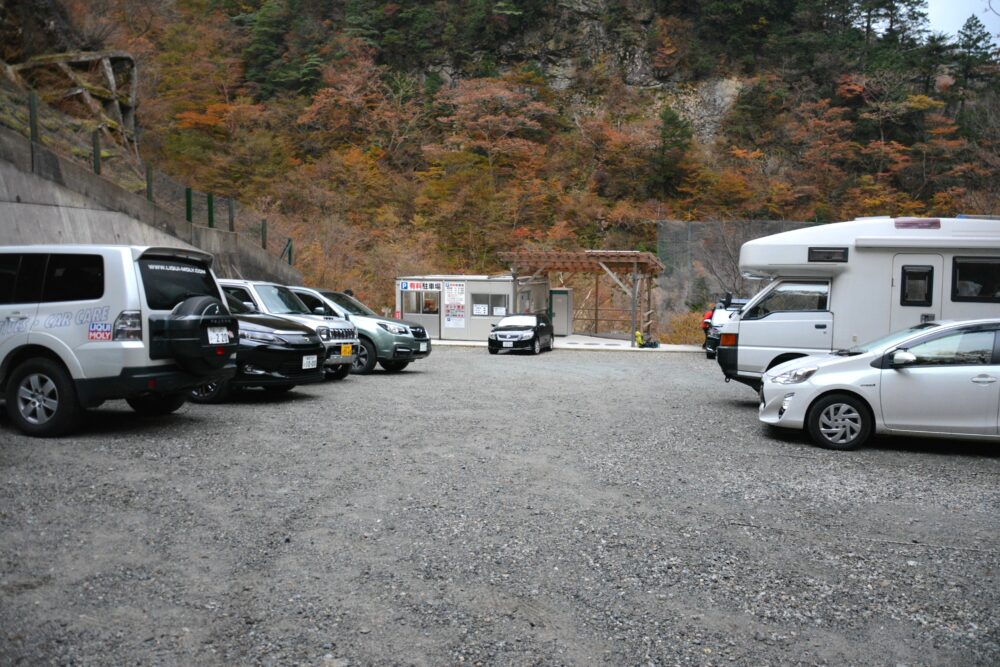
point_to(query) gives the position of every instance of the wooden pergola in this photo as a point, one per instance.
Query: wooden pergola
(632, 271)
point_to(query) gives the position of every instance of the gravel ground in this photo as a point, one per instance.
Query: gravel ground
(572, 508)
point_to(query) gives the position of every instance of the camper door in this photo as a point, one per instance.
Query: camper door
(792, 317)
(917, 282)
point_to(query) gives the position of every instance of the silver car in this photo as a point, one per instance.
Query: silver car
(937, 379)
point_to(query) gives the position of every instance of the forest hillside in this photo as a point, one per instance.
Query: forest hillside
(427, 136)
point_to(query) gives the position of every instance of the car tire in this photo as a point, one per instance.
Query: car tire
(211, 392)
(366, 359)
(278, 389)
(492, 350)
(394, 366)
(839, 421)
(548, 348)
(536, 346)
(41, 399)
(157, 405)
(339, 372)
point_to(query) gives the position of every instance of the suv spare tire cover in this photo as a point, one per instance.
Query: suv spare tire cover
(190, 314)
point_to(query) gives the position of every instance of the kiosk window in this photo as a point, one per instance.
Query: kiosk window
(421, 303)
(489, 305)
(976, 279)
(791, 297)
(917, 286)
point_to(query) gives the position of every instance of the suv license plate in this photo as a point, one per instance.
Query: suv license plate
(309, 361)
(508, 344)
(218, 335)
(423, 347)
(345, 350)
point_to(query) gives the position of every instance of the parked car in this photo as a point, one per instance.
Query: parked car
(522, 332)
(81, 324)
(339, 336)
(720, 315)
(274, 353)
(935, 379)
(393, 343)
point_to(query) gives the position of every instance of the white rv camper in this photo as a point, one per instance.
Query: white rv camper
(835, 286)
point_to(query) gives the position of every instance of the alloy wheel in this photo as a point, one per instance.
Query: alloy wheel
(840, 423)
(37, 398)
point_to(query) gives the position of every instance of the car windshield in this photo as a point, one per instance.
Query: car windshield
(281, 300)
(167, 282)
(518, 321)
(350, 304)
(890, 340)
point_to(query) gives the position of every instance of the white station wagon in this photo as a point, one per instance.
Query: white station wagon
(937, 379)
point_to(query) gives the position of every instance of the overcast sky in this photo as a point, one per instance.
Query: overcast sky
(949, 15)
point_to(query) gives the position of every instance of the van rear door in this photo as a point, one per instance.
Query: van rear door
(916, 289)
(793, 317)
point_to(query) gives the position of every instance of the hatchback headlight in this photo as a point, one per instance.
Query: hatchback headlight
(261, 337)
(323, 333)
(392, 328)
(795, 376)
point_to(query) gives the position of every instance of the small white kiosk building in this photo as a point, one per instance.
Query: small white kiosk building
(457, 307)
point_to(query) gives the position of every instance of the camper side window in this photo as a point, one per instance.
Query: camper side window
(917, 285)
(976, 279)
(791, 297)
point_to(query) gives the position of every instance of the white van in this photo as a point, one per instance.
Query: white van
(81, 324)
(838, 285)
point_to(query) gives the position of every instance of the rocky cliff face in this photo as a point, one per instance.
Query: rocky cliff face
(33, 27)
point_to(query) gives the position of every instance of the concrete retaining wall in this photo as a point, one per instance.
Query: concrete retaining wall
(45, 198)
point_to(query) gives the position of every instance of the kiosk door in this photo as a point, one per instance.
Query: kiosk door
(423, 307)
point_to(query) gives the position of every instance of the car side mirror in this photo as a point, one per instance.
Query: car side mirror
(319, 310)
(902, 358)
(249, 304)
(347, 316)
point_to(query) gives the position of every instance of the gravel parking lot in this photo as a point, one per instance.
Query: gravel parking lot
(572, 508)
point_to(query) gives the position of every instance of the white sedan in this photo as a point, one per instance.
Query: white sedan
(938, 379)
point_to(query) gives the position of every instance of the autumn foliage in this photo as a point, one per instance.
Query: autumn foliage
(338, 122)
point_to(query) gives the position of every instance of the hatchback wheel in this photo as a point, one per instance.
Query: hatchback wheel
(41, 399)
(840, 421)
(211, 392)
(364, 363)
(536, 347)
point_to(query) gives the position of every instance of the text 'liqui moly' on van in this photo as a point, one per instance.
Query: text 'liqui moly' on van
(837, 285)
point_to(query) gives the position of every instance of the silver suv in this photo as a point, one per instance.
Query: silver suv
(390, 342)
(338, 335)
(81, 324)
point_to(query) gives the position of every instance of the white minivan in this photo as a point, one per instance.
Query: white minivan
(81, 324)
(835, 286)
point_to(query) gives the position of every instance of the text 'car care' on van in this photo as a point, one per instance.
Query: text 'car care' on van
(835, 286)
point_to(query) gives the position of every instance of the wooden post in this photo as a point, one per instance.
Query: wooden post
(210, 202)
(149, 181)
(263, 234)
(188, 204)
(95, 140)
(635, 302)
(232, 214)
(597, 298)
(33, 117)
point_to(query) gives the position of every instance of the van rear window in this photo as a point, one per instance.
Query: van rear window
(169, 281)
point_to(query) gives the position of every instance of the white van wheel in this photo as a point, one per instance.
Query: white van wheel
(41, 398)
